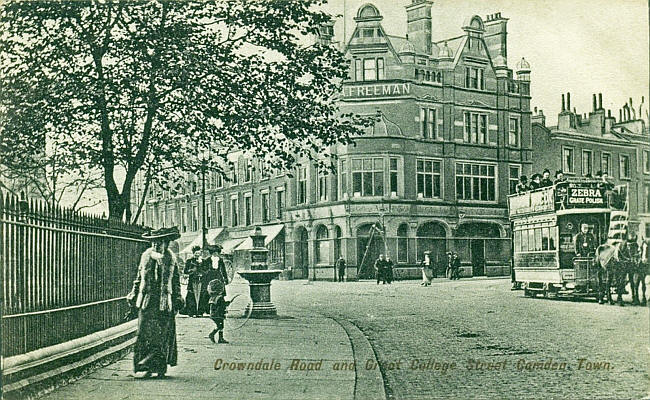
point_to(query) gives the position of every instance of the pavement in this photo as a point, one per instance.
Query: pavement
(297, 355)
(466, 339)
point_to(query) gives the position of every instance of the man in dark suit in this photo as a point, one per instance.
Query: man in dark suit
(379, 269)
(340, 267)
(585, 242)
(546, 178)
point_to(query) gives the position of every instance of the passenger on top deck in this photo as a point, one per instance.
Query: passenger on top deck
(536, 182)
(559, 176)
(522, 186)
(546, 179)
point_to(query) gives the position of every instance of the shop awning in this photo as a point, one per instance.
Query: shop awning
(198, 240)
(230, 244)
(271, 231)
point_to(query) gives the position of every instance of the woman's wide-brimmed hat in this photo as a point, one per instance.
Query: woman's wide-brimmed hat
(214, 248)
(162, 233)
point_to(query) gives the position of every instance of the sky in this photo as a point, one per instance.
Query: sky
(577, 46)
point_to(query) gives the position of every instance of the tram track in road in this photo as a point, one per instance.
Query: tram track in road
(369, 383)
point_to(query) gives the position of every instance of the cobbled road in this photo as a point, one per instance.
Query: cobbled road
(476, 339)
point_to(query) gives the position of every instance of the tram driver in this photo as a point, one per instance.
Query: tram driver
(585, 242)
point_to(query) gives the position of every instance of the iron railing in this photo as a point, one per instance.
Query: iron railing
(65, 275)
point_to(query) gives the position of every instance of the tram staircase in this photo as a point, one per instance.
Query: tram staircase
(618, 224)
(585, 273)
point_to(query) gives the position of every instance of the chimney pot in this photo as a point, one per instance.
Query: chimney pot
(594, 102)
(620, 115)
(600, 101)
(609, 113)
(568, 101)
(563, 108)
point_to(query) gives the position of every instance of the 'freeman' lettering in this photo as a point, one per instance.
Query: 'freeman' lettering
(395, 89)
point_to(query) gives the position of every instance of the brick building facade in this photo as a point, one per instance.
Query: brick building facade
(584, 144)
(452, 134)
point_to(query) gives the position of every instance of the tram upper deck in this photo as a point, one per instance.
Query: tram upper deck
(574, 195)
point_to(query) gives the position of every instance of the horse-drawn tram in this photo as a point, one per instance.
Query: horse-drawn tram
(544, 224)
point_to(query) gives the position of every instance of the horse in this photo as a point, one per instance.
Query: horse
(629, 253)
(637, 276)
(612, 272)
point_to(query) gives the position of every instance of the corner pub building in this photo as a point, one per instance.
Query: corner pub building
(451, 137)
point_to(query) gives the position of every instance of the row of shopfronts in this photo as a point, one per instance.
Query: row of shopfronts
(308, 246)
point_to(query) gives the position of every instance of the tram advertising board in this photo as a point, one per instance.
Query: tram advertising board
(585, 196)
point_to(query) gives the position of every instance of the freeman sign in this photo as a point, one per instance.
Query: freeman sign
(586, 197)
(388, 89)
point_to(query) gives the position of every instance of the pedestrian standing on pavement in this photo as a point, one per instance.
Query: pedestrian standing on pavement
(340, 267)
(426, 268)
(194, 268)
(379, 268)
(388, 270)
(218, 306)
(156, 294)
(455, 266)
(216, 268)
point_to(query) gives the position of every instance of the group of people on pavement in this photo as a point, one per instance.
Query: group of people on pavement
(429, 270)
(206, 287)
(384, 269)
(156, 298)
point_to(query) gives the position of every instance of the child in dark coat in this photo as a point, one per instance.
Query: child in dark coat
(218, 306)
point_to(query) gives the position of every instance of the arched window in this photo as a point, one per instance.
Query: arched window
(322, 246)
(428, 74)
(439, 77)
(431, 238)
(402, 243)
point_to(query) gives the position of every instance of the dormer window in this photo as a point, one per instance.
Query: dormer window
(373, 69)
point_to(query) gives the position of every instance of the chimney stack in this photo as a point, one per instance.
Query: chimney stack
(418, 24)
(496, 32)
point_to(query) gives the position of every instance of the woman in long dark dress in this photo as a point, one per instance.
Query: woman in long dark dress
(195, 268)
(156, 294)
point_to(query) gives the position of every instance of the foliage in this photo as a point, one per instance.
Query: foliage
(145, 86)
